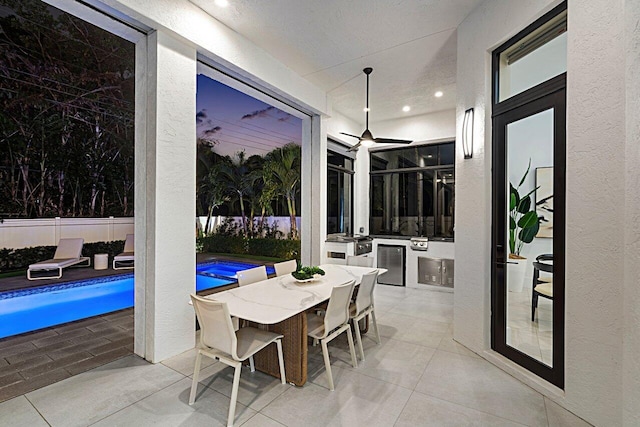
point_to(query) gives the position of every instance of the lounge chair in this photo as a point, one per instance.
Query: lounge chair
(68, 253)
(127, 258)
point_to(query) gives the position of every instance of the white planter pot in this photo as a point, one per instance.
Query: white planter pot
(518, 274)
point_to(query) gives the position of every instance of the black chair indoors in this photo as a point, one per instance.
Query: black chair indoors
(541, 287)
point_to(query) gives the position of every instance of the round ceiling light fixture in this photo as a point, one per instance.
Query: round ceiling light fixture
(438, 94)
(406, 108)
(222, 3)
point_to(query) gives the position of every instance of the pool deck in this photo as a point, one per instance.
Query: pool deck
(36, 359)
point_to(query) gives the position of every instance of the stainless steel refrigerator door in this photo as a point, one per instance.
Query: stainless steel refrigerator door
(392, 258)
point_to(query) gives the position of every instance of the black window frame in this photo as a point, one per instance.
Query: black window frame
(340, 150)
(434, 170)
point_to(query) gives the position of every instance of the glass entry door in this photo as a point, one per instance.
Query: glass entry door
(528, 235)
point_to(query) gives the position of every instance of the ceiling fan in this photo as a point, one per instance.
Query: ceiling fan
(367, 139)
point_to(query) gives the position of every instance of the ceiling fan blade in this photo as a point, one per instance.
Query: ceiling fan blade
(348, 134)
(355, 147)
(392, 141)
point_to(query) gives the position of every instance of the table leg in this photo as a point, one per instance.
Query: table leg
(294, 346)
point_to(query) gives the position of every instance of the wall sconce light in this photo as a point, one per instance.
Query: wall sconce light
(467, 134)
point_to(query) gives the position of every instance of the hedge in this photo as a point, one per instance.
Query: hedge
(20, 259)
(275, 248)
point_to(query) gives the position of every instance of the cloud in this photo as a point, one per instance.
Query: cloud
(200, 116)
(211, 131)
(258, 113)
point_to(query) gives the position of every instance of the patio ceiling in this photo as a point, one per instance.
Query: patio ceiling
(411, 45)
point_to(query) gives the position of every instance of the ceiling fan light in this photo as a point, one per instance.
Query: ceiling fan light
(366, 142)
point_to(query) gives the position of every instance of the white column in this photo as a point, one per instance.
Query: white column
(314, 190)
(165, 197)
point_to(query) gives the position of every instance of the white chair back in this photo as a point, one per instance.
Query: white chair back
(216, 328)
(129, 244)
(285, 267)
(252, 275)
(69, 248)
(364, 299)
(359, 261)
(338, 308)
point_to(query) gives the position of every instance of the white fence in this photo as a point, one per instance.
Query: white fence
(24, 233)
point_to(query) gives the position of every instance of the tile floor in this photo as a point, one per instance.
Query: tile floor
(34, 360)
(533, 338)
(418, 376)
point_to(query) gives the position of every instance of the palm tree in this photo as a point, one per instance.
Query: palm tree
(213, 190)
(239, 174)
(282, 171)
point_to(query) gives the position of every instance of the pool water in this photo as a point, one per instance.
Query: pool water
(27, 310)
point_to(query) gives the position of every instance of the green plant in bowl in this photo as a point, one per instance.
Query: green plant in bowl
(306, 273)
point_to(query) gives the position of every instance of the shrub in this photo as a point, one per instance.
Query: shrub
(224, 244)
(276, 248)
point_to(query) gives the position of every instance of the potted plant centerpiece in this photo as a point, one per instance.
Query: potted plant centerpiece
(523, 227)
(308, 274)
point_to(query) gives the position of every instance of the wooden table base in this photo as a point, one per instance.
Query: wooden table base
(294, 347)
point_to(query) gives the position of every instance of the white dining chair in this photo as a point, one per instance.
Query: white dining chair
(359, 261)
(252, 275)
(363, 307)
(334, 322)
(285, 267)
(219, 341)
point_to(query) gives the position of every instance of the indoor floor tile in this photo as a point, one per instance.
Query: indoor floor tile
(19, 412)
(100, 392)
(170, 407)
(411, 329)
(560, 417)
(358, 400)
(477, 384)
(256, 388)
(423, 410)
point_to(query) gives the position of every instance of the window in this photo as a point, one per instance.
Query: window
(339, 189)
(412, 191)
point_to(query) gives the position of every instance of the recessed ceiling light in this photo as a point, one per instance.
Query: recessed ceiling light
(406, 108)
(222, 3)
(438, 94)
(366, 110)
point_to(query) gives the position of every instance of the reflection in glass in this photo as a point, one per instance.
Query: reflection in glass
(530, 270)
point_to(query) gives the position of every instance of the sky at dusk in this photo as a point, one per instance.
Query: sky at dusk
(239, 122)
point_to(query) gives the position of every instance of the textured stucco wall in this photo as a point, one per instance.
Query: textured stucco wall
(595, 210)
(492, 23)
(602, 200)
(631, 339)
(168, 229)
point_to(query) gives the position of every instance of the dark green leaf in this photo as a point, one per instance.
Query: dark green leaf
(525, 174)
(527, 234)
(512, 224)
(524, 205)
(528, 220)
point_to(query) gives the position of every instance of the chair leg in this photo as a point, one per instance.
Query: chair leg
(283, 376)
(196, 374)
(356, 328)
(352, 350)
(327, 363)
(375, 325)
(534, 304)
(252, 364)
(234, 394)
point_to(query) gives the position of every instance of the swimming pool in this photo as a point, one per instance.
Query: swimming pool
(27, 310)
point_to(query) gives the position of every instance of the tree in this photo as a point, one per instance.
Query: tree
(239, 176)
(282, 173)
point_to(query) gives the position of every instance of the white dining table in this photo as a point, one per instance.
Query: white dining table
(280, 304)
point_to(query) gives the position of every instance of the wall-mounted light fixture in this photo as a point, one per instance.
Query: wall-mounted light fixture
(467, 134)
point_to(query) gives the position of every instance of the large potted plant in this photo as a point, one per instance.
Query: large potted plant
(523, 227)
